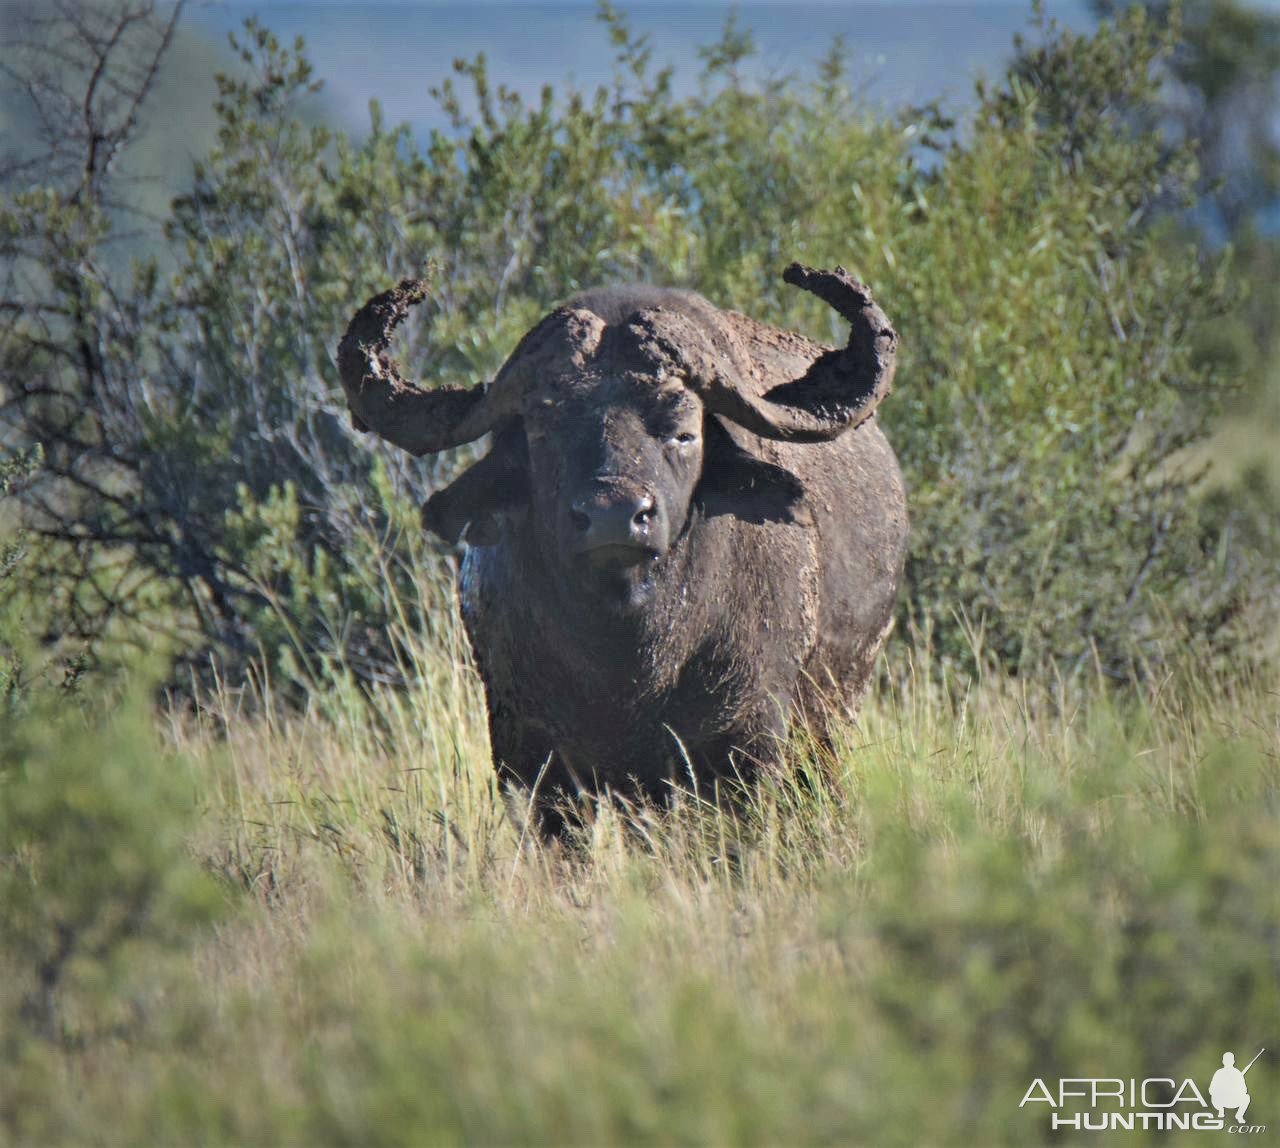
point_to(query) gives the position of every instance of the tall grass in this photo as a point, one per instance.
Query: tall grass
(979, 886)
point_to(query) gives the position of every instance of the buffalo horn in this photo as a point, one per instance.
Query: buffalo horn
(383, 401)
(841, 389)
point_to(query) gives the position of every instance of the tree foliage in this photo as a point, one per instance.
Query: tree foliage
(1222, 92)
(201, 478)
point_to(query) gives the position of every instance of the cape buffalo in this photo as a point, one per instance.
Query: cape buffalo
(689, 528)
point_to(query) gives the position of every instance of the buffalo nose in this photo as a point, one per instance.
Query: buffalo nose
(612, 519)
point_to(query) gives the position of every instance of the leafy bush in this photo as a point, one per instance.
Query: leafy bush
(15, 468)
(202, 477)
(96, 881)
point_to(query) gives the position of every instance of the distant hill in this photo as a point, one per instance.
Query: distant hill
(899, 52)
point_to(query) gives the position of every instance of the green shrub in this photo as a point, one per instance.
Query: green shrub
(1057, 380)
(95, 874)
(15, 467)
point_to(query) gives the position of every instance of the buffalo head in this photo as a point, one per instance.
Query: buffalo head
(611, 418)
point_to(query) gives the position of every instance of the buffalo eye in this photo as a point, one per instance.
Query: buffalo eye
(684, 438)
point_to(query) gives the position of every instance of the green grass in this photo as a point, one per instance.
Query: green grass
(341, 936)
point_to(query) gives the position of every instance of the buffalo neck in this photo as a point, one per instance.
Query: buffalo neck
(648, 642)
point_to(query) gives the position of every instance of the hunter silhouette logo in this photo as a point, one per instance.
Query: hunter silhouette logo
(1228, 1089)
(1153, 1104)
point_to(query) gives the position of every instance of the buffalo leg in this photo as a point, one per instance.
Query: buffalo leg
(529, 767)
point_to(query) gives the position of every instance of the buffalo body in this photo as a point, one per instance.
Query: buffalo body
(689, 530)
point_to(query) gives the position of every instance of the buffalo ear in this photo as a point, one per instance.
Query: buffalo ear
(735, 482)
(473, 505)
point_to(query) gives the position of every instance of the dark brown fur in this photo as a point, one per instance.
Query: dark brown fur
(653, 591)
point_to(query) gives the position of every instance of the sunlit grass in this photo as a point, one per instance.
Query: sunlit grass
(983, 883)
